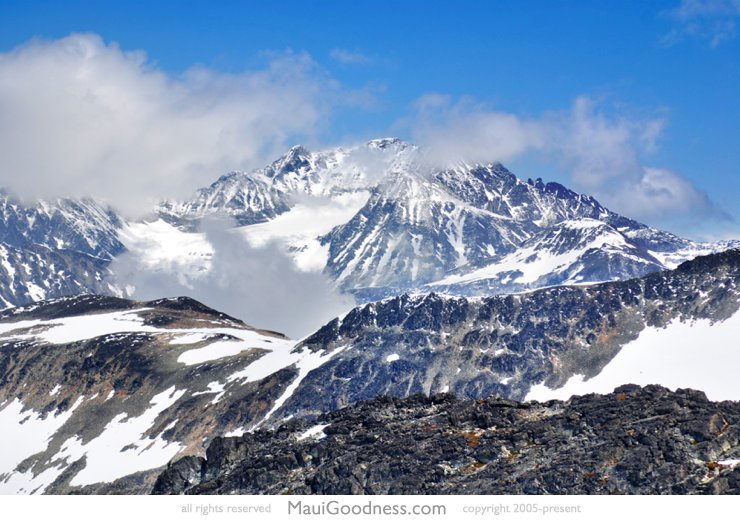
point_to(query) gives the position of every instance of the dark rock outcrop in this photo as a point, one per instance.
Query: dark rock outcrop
(634, 441)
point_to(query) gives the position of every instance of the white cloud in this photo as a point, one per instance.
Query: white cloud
(710, 20)
(79, 116)
(346, 57)
(596, 148)
(464, 130)
(658, 192)
(602, 153)
(260, 285)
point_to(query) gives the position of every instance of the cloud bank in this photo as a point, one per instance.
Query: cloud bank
(260, 285)
(601, 153)
(79, 116)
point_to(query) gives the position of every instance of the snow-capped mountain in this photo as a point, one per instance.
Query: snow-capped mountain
(468, 230)
(261, 195)
(99, 393)
(54, 248)
(244, 198)
(375, 218)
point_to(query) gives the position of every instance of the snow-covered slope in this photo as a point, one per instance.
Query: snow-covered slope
(97, 389)
(697, 354)
(246, 199)
(54, 248)
(569, 252)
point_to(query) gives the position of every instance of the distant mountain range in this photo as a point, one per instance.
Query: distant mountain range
(375, 218)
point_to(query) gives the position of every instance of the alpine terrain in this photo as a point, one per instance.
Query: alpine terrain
(128, 386)
(471, 284)
(377, 219)
(98, 391)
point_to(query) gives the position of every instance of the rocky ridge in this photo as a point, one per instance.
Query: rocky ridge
(633, 441)
(98, 393)
(505, 345)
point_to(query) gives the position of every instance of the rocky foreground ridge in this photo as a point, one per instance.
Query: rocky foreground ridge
(634, 441)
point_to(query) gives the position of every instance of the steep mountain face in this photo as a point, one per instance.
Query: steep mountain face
(99, 393)
(470, 230)
(409, 232)
(516, 345)
(376, 218)
(631, 441)
(55, 248)
(245, 199)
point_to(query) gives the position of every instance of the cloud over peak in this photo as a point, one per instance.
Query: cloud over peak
(602, 152)
(79, 116)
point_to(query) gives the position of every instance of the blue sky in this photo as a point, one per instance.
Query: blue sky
(661, 79)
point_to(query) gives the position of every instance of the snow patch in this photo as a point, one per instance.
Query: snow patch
(300, 228)
(220, 349)
(305, 361)
(28, 433)
(698, 355)
(106, 459)
(316, 431)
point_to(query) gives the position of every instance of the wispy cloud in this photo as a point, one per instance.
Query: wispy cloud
(347, 57)
(81, 116)
(713, 21)
(603, 153)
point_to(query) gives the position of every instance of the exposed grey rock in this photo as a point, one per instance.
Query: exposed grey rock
(633, 441)
(504, 345)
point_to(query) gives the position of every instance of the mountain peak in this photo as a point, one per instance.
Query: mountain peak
(386, 142)
(297, 150)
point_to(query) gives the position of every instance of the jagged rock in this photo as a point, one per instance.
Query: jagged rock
(503, 345)
(633, 441)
